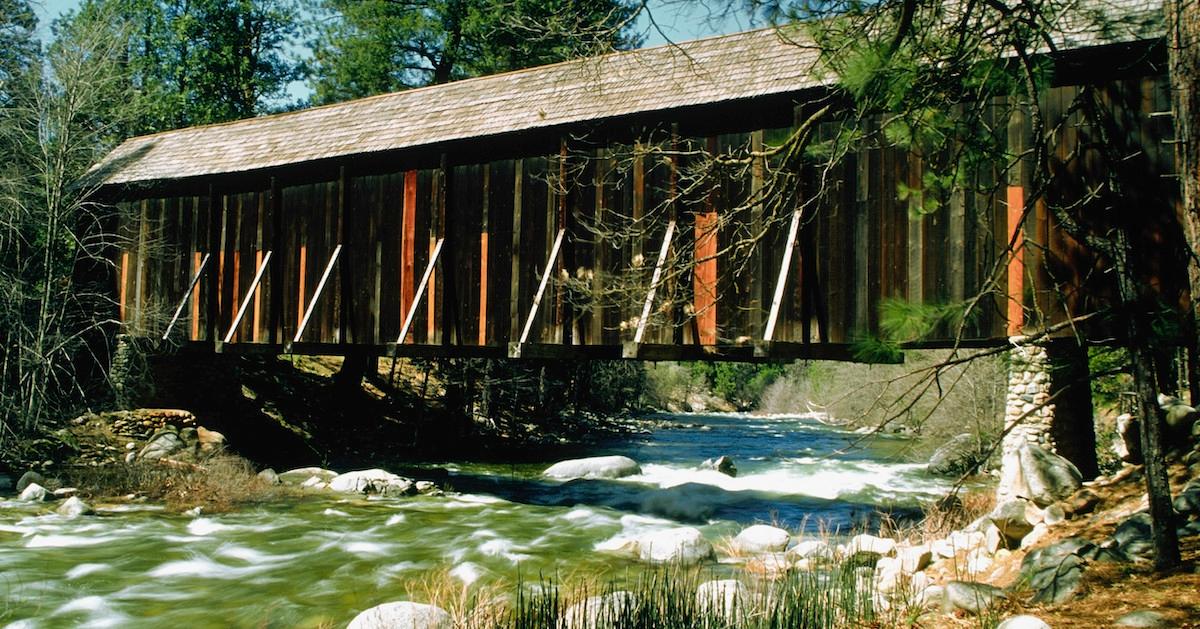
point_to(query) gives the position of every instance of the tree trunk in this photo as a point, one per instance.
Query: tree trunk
(1183, 45)
(354, 367)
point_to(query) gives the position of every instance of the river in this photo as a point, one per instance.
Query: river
(319, 561)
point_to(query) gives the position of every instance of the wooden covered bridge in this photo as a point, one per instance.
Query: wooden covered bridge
(551, 212)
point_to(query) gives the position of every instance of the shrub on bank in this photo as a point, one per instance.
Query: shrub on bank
(219, 483)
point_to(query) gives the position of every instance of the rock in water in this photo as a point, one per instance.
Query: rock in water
(373, 481)
(682, 546)
(1035, 473)
(761, 538)
(958, 456)
(1023, 622)
(600, 612)
(722, 464)
(73, 507)
(593, 467)
(972, 597)
(33, 493)
(163, 444)
(302, 474)
(29, 478)
(403, 615)
(1054, 573)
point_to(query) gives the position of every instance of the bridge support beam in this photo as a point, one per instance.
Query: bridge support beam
(1049, 401)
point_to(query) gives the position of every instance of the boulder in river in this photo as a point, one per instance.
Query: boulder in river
(1037, 474)
(29, 478)
(682, 546)
(269, 477)
(593, 467)
(302, 474)
(722, 464)
(403, 615)
(762, 538)
(600, 612)
(73, 507)
(33, 493)
(373, 481)
(956, 457)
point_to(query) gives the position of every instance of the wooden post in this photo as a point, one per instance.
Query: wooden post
(514, 302)
(1016, 206)
(216, 226)
(483, 257)
(408, 240)
(277, 272)
(344, 294)
(704, 290)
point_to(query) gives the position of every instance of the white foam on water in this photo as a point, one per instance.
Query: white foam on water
(484, 534)
(186, 539)
(467, 572)
(472, 500)
(807, 476)
(251, 556)
(84, 569)
(202, 567)
(100, 613)
(20, 624)
(585, 516)
(65, 541)
(19, 530)
(503, 548)
(393, 520)
(206, 526)
(367, 549)
(336, 512)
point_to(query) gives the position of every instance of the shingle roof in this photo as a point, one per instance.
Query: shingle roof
(713, 70)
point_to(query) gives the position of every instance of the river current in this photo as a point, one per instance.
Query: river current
(321, 560)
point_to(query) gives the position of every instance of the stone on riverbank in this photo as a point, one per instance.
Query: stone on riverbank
(762, 538)
(403, 615)
(593, 467)
(302, 474)
(682, 546)
(1011, 521)
(1054, 573)
(373, 481)
(724, 598)
(1146, 618)
(73, 507)
(269, 477)
(1039, 475)
(33, 493)
(972, 597)
(163, 444)
(864, 543)
(600, 612)
(1024, 621)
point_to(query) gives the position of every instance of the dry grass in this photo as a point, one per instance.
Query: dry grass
(217, 484)
(954, 512)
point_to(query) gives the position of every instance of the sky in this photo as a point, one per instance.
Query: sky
(678, 21)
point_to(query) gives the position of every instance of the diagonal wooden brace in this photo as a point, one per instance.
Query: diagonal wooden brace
(237, 319)
(187, 295)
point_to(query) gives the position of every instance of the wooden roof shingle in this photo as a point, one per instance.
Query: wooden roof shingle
(713, 70)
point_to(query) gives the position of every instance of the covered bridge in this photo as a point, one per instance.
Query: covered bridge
(423, 222)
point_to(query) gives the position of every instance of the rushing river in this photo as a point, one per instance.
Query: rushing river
(319, 561)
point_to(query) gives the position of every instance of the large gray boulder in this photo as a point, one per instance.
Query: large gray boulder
(762, 538)
(680, 546)
(600, 612)
(1178, 419)
(972, 597)
(593, 467)
(1054, 573)
(1037, 474)
(301, 475)
(373, 481)
(1134, 537)
(163, 444)
(956, 457)
(29, 478)
(403, 615)
(1187, 503)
